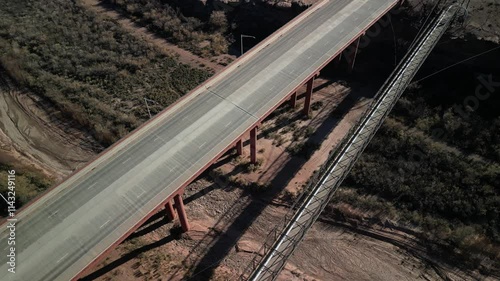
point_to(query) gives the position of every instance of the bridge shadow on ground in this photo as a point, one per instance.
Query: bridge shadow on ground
(284, 109)
(350, 102)
(222, 242)
(155, 222)
(229, 155)
(204, 267)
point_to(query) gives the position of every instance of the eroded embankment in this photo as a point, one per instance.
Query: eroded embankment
(32, 136)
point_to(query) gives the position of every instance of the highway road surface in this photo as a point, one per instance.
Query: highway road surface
(73, 224)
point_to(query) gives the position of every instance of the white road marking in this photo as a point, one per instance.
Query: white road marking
(59, 260)
(92, 185)
(228, 124)
(54, 213)
(128, 159)
(104, 224)
(158, 137)
(143, 191)
(202, 144)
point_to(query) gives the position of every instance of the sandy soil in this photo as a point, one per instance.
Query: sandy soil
(342, 252)
(31, 137)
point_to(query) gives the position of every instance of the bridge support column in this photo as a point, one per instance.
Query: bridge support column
(308, 98)
(293, 100)
(253, 145)
(179, 205)
(351, 56)
(169, 211)
(239, 147)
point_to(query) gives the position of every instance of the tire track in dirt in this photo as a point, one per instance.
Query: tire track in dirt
(32, 136)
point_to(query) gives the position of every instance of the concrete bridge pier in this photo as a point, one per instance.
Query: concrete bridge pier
(179, 205)
(293, 100)
(239, 147)
(253, 145)
(308, 97)
(169, 211)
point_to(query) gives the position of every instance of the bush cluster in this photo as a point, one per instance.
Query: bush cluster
(447, 111)
(88, 67)
(436, 161)
(28, 184)
(453, 197)
(205, 39)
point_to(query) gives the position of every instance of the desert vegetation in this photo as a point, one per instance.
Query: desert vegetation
(88, 67)
(28, 184)
(434, 168)
(205, 38)
(204, 27)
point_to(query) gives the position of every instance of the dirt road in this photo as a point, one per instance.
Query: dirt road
(31, 138)
(183, 56)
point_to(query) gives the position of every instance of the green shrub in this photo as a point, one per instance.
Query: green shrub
(204, 39)
(28, 184)
(88, 67)
(450, 196)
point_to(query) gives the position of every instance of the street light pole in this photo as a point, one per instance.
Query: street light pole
(241, 41)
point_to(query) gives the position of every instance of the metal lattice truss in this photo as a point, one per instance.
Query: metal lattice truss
(280, 243)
